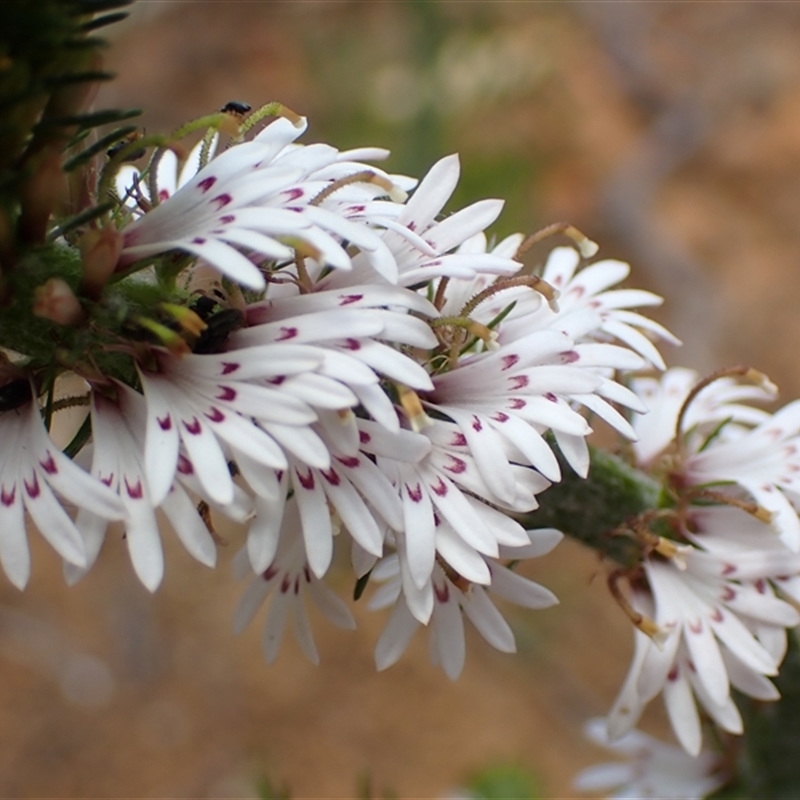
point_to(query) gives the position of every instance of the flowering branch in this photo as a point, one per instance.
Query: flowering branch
(291, 337)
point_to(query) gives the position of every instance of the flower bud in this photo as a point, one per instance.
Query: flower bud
(54, 300)
(100, 250)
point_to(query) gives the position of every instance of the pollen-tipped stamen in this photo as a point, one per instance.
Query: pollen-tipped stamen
(364, 176)
(740, 371)
(754, 509)
(534, 282)
(412, 405)
(586, 246)
(176, 344)
(185, 317)
(644, 623)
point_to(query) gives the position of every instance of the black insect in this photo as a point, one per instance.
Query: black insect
(236, 107)
(220, 325)
(204, 306)
(14, 394)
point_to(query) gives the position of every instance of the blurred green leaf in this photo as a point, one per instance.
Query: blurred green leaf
(504, 782)
(269, 791)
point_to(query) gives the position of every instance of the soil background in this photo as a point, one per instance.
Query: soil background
(669, 133)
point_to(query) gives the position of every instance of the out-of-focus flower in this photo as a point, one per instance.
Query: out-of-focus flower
(652, 769)
(450, 596)
(718, 622)
(287, 580)
(707, 647)
(32, 467)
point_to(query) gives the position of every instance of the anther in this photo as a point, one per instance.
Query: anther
(644, 623)
(412, 405)
(585, 245)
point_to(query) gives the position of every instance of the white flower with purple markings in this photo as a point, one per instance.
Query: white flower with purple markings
(456, 589)
(33, 470)
(287, 580)
(256, 201)
(118, 462)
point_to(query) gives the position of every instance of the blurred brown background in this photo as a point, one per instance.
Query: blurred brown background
(669, 133)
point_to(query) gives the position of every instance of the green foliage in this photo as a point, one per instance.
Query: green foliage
(366, 789)
(269, 791)
(49, 67)
(503, 782)
(768, 765)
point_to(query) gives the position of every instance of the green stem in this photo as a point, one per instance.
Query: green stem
(591, 509)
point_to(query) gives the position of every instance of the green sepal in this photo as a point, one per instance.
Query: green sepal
(361, 585)
(80, 439)
(91, 120)
(101, 22)
(87, 215)
(100, 146)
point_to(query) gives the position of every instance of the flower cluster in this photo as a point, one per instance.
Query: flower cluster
(706, 598)
(278, 333)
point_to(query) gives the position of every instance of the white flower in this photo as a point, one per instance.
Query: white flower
(443, 485)
(765, 462)
(170, 176)
(203, 401)
(357, 333)
(256, 198)
(728, 443)
(118, 429)
(288, 579)
(587, 307)
(526, 388)
(425, 248)
(721, 401)
(707, 646)
(652, 770)
(31, 468)
(751, 552)
(352, 487)
(448, 595)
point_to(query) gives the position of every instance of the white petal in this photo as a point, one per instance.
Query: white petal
(448, 630)
(488, 621)
(51, 519)
(333, 608)
(189, 527)
(14, 553)
(302, 631)
(315, 518)
(395, 637)
(276, 623)
(682, 712)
